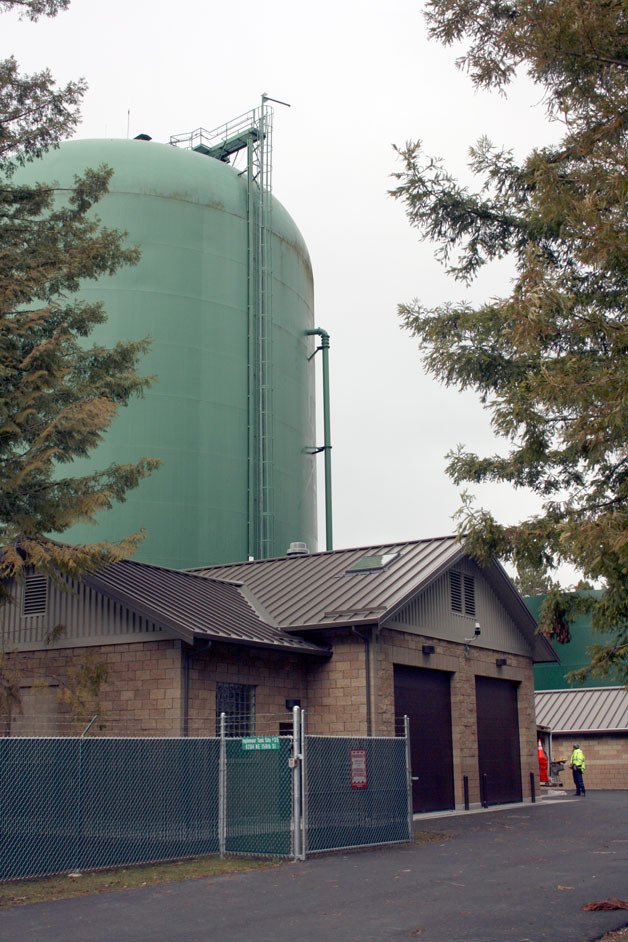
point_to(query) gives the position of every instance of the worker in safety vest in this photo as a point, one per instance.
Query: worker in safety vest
(577, 766)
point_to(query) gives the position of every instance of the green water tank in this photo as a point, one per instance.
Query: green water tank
(188, 214)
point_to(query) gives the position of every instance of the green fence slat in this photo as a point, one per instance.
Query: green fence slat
(344, 811)
(259, 799)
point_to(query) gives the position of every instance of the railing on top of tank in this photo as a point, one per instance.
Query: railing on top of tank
(245, 125)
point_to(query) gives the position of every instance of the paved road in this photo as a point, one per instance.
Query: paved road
(517, 875)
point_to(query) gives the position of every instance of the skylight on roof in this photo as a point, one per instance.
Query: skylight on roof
(372, 563)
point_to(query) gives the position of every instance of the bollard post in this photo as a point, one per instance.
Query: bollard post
(465, 783)
(484, 790)
(532, 788)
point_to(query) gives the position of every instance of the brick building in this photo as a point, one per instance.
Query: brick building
(597, 719)
(358, 638)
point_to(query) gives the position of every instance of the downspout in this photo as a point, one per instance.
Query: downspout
(188, 654)
(326, 447)
(367, 670)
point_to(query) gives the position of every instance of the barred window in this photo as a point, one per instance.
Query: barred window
(35, 598)
(462, 593)
(237, 701)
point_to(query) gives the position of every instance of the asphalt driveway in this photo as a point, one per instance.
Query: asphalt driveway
(516, 875)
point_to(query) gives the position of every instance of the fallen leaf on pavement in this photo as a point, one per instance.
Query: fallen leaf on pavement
(605, 904)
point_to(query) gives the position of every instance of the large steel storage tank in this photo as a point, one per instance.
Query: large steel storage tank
(188, 213)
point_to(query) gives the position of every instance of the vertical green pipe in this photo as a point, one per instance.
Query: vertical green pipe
(329, 537)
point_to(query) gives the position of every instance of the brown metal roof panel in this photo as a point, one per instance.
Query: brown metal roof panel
(600, 709)
(191, 605)
(299, 591)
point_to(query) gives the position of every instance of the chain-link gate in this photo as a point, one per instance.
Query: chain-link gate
(356, 792)
(69, 804)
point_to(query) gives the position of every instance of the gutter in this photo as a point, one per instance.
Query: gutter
(188, 653)
(326, 447)
(367, 670)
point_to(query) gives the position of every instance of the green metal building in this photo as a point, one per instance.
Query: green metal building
(572, 656)
(224, 291)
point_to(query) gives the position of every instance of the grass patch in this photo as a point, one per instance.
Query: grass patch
(102, 881)
(430, 837)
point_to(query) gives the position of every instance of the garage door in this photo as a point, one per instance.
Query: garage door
(498, 739)
(424, 696)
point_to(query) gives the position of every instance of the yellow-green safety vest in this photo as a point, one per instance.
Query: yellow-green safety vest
(577, 760)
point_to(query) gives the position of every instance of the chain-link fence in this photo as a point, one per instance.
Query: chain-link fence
(356, 792)
(74, 804)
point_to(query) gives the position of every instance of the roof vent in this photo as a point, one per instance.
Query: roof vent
(298, 549)
(142, 137)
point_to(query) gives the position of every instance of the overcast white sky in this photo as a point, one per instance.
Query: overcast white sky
(361, 76)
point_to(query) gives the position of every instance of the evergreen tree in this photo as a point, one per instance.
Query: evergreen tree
(58, 392)
(549, 361)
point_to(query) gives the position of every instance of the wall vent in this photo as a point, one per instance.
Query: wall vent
(462, 593)
(469, 595)
(35, 598)
(455, 590)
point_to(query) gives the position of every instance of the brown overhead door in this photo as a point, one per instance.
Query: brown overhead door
(424, 696)
(498, 740)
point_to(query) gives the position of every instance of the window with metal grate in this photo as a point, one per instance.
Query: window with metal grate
(237, 701)
(35, 597)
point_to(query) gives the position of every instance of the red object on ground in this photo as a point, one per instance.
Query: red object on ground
(543, 766)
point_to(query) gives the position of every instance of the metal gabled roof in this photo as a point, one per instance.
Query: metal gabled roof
(316, 591)
(194, 607)
(583, 710)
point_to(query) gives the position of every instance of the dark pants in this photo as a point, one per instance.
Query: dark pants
(578, 781)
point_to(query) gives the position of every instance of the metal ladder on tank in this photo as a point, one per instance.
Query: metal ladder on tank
(252, 132)
(260, 329)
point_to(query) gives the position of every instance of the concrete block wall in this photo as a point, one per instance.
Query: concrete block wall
(276, 677)
(140, 697)
(336, 700)
(606, 758)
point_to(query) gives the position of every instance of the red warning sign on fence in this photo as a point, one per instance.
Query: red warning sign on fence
(359, 777)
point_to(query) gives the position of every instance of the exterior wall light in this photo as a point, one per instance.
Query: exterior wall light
(428, 649)
(291, 704)
(500, 662)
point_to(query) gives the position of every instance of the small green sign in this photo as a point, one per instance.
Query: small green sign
(260, 742)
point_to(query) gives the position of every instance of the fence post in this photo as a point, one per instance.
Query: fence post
(304, 804)
(222, 788)
(79, 802)
(406, 732)
(296, 783)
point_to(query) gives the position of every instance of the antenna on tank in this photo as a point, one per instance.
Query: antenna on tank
(266, 97)
(128, 123)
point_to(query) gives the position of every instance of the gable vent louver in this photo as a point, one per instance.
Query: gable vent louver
(35, 599)
(469, 595)
(455, 588)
